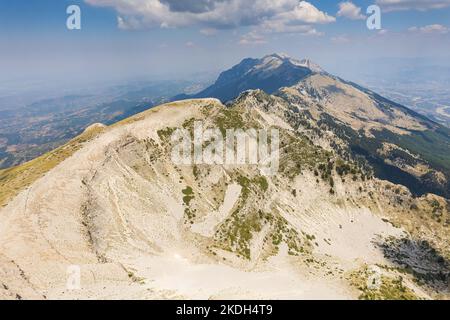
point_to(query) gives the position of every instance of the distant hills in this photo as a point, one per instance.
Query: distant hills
(269, 73)
(29, 131)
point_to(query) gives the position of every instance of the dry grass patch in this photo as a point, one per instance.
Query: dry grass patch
(15, 179)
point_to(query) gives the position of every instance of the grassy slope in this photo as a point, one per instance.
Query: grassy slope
(15, 179)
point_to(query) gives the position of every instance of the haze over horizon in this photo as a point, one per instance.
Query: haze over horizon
(119, 40)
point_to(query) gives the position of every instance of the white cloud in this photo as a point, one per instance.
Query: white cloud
(190, 44)
(279, 27)
(305, 12)
(422, 5)
(215, 14)
(349, 10)
(431, 29)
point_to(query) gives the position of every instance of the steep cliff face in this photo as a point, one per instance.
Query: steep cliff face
(138, 224)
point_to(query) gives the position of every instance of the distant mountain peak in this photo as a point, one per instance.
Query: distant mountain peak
(277, 56)
(269, 73)
(282, 57)
(314, 67)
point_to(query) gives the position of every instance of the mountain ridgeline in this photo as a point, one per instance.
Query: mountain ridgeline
(400, 145)
(114, 206)
(268, 74)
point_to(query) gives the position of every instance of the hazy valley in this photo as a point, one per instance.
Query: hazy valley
(29, 130)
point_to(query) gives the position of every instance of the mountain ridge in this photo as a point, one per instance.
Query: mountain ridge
(381, 120)
(269, 73)
(140, 226)
(117, 209)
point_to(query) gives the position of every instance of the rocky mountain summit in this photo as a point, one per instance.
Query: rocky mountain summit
(359, 208)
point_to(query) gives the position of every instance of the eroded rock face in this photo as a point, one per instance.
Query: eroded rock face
(140, 226)
(402, 146)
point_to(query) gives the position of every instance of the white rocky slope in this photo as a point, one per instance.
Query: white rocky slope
(139, 226)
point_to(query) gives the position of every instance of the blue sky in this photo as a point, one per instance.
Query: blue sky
(173, 38)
